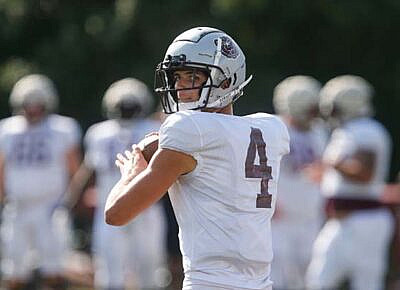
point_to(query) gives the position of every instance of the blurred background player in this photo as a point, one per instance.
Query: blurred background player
(298, 215)
(137, 249)
(354, 242)
(391, 197)
(39, 152)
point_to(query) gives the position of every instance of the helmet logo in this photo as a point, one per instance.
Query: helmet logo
(228, 47)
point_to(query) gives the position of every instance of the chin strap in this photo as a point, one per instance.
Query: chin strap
(230, 97)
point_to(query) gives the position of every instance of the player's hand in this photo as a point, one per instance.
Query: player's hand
(314, 172)
(279, 213)
(130, 164)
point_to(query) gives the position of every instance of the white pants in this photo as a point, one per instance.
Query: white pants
(292, 243)
(137, 250)
(356, 248)
(204, 287)
(33, 237)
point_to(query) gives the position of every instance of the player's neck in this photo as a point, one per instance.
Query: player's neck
(35, 122)
(227, 110)
(298, 125)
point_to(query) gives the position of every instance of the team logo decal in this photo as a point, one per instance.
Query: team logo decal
(228, 47)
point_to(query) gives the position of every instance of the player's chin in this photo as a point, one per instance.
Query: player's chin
(187, 97)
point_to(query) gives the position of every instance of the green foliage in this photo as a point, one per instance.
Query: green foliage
(85, 45)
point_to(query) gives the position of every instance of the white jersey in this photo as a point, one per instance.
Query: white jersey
(361, 133)
(224, 206)
(299, 197)
(35, 157)
(103, 141)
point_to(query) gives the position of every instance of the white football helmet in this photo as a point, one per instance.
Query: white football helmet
(297, 97)
(346, 97)
(211, 51)
(34, 89)
(127, 98)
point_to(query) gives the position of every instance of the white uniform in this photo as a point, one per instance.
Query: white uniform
(354, 247)
(224, 206)
(138, 247)
(299, 209)
(36, 177)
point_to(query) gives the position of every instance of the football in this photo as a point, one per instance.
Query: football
(149, 146)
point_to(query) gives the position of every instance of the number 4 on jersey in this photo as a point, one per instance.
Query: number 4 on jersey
(263, 171)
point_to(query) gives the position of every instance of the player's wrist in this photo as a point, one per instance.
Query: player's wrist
(125, 180)
(128, 177)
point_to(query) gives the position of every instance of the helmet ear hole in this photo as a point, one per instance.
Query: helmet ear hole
(226, 83)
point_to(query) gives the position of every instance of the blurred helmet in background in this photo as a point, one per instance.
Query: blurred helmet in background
(346, 97)
(212, 52)
(126, 99)
(34, 89)
(297, 97)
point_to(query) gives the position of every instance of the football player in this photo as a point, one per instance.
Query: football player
(220, 170)
(353, 243)
(137, 249)
(39, 152)
(298, 216)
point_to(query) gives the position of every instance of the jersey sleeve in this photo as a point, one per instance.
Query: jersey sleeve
(75, 134)
(90, 157)
(340, 146)
(179, 132)
(68, 128)
(285, 140)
